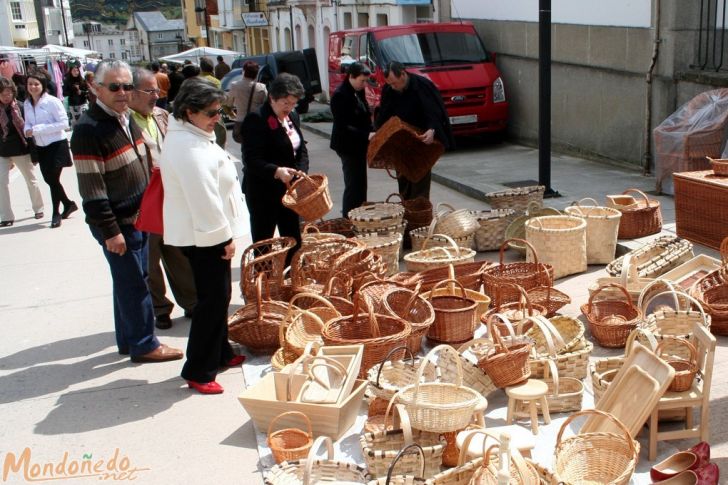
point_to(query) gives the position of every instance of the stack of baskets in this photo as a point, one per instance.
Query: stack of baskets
(377, 217)
(459, 223)
(516, 199)
(492, 231)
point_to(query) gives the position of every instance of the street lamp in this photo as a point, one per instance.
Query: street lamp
(207, 26)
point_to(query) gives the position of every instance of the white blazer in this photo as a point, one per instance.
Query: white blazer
(203, 201)
(47, 119)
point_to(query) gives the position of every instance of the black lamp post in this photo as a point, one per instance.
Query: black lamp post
(207, 26)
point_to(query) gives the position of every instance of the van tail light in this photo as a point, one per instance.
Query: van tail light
(499, 92)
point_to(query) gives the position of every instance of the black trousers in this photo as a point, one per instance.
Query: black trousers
(355, 181)
(52, 176)
(411, 190)
(266, 213)
(208, 347)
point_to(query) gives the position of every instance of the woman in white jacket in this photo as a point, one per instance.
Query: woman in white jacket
(203, 214)
(46, 122)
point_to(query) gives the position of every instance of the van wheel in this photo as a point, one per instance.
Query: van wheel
(302, 107)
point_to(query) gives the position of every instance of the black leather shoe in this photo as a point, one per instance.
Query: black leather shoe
(163, 322)
(56, 221)
(6, 223)
(69, 209)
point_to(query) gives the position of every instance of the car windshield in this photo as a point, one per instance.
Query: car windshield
(433, 49)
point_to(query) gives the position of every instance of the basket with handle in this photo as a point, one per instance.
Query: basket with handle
(514, 311)
(548, 297)
(468, 274)
(676, 321)
(428, 258)
(455, 315)
(312, 470)
(290, 443)
(312, 265)
(389, 376)
(439, 406)
(719, 166)
(516, 229)
(455, 223)
(361, 264)
(419, 235)
(385, 245)
(312, 235)
(373, 217)
(417, 211)
(410, 306)
(516, 199)
(374, 291)
(712, 292)
(571, 362)
(596, 457)
(303, 326)
(564, 394)
(507, 361)
(640, 219)
(267, 257)
(405, 477)
(322, 387)
(560, 242)
(308, 196)
(655, 258)
(480, 298)
(685, 369)
(526, 275)
(341, 226)
(492, 471)
(377, 333)
(555, 335)
(257, 324)
(492, 231)
(602, 227)
(611, 320)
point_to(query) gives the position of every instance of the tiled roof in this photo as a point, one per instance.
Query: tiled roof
(155, 22)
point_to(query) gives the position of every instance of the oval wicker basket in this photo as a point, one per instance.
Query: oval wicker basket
(419, 235)
(602, 227)
(267, 257)
(412, 307)
(428, 258)
(290, 443)
(685, 369)
(560, 241)
(309, 196)
(455, 223)
(516, 199)
(640, 219)
(548, 296)
(611, 321)
(455, 315)
(373, 217)
(256, 325)
(507, 362)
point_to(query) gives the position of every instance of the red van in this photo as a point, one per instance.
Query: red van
(451, 55)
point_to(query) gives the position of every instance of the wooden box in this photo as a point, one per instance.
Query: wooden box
(701, 207)
(691, 271)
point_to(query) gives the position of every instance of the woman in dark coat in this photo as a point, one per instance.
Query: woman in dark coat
(76, 89)
(350, 134)
(274, 151)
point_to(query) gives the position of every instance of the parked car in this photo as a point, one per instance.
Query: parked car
(451, 55)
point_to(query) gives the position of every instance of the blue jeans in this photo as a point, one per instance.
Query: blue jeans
(133, 310)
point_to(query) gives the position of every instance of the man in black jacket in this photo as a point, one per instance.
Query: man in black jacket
(417, 101)
(350, 134)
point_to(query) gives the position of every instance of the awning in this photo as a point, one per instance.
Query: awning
(194, 55)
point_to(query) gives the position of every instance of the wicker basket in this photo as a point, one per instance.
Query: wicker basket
(338, 225)
(564, 395)
(312, 235)
(423, 234)
(438, 406)
(526, 275)
(455, 223)
(455, 315)
(597, 457)
(712, 292)
(719, 166)
(377, 333)
(507, 362)
(556, 335)
(569, 364)
(611, 321)
(514, 311)
(560, 241)
(547, 296)
(640, 220)
(313, 470)
(377, 216)
(516, 199)
(395, 475)
(302, 327)
(517, 227)
(519, 471)
(468, 274)
(309, 196)
(435, 257)
(389, 376)
(685, 369)
(256, 325)
(413, 308)
(656, 257)
(387, 246)
(492, 231)
(312, 265)
(267, 257)
(676, 321)
(417, 211)
(602, 226)
(290, 443)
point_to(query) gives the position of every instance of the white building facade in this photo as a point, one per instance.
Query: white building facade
(110, 41)
(55, 23)
(18, 23)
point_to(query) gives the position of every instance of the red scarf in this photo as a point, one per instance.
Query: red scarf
(17, 120)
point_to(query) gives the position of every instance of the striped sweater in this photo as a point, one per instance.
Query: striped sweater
(112, 172)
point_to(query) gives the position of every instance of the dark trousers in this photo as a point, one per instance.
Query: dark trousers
(355, 181)
(266, 213)
(208, 347)
(52, 177)
(179, 274)
(411, 190)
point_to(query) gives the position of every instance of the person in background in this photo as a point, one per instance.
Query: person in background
(203, 210)
(246, 96)
(175, 81)
(350, 133)
(14, 151)
(221, 68)
(46, 122)
(164, 68)
(19, 80)
(417, 101)
(163, 83)
(113, 169)
(190, 71)
(274, 152)
(89, 77)
(76, 89)
(153, 121)
(52, 88)
(206, 69)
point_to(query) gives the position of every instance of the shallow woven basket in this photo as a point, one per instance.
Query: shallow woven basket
(655, 258)
(676, 321)
(516, 199)
(547, 296)
(569, 364)
(611, 321)
(685, 369)
(712, 292)
(389, 376)
(564, 395)
(435, 257)
(413, 308)
(290, 443)
(569, 329)
(492, 231)
(514, 311)
(256, 325)
(309, 196)
(719, 166)
(420, 235)
(640, 219)
(519, 470)
(595, 457)
(559, 241)
(602, 226)
(455, 223)
(516, 229)
(266, 257)
(467, 274)
(376, 216)
(455, 315)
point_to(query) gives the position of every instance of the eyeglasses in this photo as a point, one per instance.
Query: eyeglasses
(214, 112)
(150, 92)
(114, 87)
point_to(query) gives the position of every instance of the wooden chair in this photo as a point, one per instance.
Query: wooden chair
(698, 396)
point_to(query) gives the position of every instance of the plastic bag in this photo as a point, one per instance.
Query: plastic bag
(695, 131)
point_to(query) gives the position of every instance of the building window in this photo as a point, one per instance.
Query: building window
(112, 55)
(160, 36)
(122, 41)
(15, 9)
(85, 43)
(111, 42)
(19, 26)
(123, 55)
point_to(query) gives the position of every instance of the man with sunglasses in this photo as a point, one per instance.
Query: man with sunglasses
(113, 171)
(153, 121)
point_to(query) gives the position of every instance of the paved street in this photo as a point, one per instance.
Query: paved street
(64, 389)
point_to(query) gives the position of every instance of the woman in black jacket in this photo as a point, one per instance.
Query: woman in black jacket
(351, 132)
(76, 89)
(274, 151)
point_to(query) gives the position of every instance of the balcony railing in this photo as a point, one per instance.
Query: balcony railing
(712, 36)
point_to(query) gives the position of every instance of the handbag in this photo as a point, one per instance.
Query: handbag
(32, 150)
(150, 211)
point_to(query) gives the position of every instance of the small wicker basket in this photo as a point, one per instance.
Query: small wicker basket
(309, 196)
(611, 321)
(719, 166)
(685, 369)
(290, 443)
(455, 223)
(642, 220)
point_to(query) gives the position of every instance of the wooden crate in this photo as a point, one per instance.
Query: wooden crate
(701, 207)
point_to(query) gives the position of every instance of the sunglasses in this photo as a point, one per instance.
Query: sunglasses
(150, 92)
(114, 87)
(214, 112)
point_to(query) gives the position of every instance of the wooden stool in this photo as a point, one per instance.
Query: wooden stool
(529, 392)
(521, 439)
